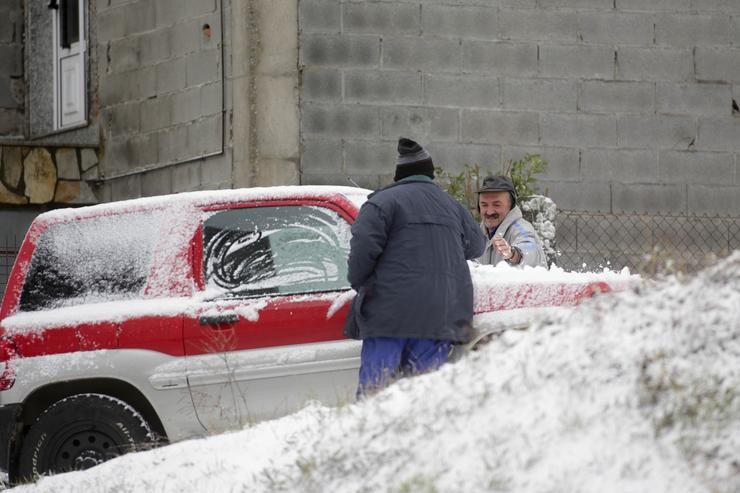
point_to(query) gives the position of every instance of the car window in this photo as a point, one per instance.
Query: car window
(90, 260)
(276, 250)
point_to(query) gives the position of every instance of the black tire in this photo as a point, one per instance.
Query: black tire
(80, 432)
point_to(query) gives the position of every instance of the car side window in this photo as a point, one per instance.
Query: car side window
(276, 250)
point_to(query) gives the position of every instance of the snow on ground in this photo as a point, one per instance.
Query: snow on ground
(630, 392)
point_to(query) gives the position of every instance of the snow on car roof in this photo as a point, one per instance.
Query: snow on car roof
(205, 197)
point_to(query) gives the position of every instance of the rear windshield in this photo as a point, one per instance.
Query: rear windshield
(91, 260)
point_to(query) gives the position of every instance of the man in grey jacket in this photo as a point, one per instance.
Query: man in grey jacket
(511, 238)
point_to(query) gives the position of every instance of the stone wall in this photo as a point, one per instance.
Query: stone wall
(633, 103)
(11, 68)
(46, 175)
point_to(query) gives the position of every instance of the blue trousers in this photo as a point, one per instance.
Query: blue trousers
(385, 359)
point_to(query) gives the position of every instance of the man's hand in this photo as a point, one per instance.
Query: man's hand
(503, 247)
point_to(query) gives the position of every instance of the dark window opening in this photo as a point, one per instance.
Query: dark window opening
(69, 15)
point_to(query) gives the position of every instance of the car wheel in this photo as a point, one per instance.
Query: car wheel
(80, 432)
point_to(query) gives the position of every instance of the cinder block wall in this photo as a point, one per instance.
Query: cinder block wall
(633, 103)
(11, 67)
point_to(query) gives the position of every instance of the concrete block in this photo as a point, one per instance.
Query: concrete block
(170, 12)
(154, 46)
(384, 87)
(331, 121)
(110, 25)
(172, 144)
(718, 64)
(500, 58)
(203, 67)
(128, 187)
(278, 37)
(205, 136)
(138, 17)
(715, 200)
(211, 97)
(538, 25)
(319, 16)
(617, 97)
(201, 7)
(454, 157)
(171, 75)
(322, 156)
(371, 182)
(185, 38)
(123, 54)
(649, 198)
(186, 177)
(67, 167)
(123, 118)
(431, 54)
(321, 84)
(156, 113)
(577, 197)
(131, 152)
(210, 33)
(277, 117)
(127, 86)
(725, 6)
(696, 168)
(646, 64)
(615, 28)
(563, 163)
(500, 127)
(588, 61)
(11, 60)
(577, 4)
(690, 30)
(653, 5)
(186, 105)
(735, 31)
(347, 51)
(619, 165)
(7, 98)
(694, 99)
(381, 18)
(156, 182)
(460, 21)
(719, 134)
(369, 157)
(578, 130)
(422, 124)
(540, 94)
(277, 172)
(10, 122)
(656, 132)
(461, 91)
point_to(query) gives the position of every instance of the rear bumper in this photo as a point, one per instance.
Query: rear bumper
(9, 419)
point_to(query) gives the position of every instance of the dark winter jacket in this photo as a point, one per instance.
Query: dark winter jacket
(407, 263)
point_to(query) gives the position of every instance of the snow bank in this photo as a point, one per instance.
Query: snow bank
(632, 392)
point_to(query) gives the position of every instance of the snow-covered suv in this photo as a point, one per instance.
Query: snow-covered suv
(158, 319)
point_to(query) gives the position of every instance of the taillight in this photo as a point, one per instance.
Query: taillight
(7, 373)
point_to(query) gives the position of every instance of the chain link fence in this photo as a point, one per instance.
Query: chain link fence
(9, 246)
(647, 243)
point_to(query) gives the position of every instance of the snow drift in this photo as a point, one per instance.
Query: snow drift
(634, 391)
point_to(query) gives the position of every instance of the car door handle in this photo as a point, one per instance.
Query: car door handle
(220, 319)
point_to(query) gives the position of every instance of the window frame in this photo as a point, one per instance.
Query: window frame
(61, 52)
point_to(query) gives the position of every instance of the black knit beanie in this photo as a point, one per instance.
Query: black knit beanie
(412, 160)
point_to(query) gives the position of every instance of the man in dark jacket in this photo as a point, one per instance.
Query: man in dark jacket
(407, 263)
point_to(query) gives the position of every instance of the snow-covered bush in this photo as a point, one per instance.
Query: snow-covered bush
(541, 212)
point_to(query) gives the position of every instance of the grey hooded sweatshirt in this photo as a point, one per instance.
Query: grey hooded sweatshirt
(519, 233)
